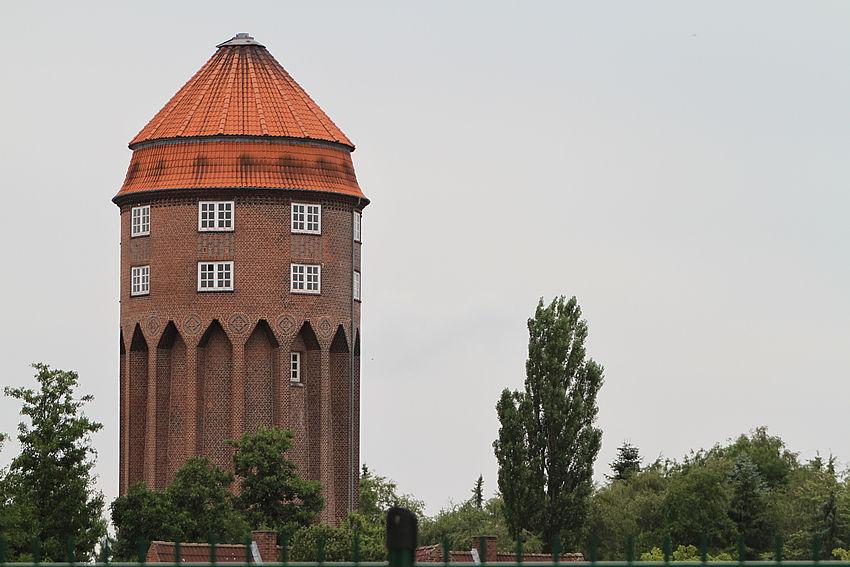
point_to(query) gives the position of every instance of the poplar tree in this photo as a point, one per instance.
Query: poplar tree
(547, 443)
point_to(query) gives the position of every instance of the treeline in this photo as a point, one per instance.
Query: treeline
(752, 487)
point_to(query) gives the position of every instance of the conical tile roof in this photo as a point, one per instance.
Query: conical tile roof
(241, 122)
(242, 91)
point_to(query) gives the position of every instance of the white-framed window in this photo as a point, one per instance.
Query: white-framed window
(215, 215)
(295, 367)
(357, 218)
(215, 276)
(140, 223)
(306, 218)
(140, 280)
(356, 285)
(306, 278)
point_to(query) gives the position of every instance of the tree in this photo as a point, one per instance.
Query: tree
(142, 514)
(271, 493)
(478, 492)
(378, 494)
(748, 507)
(627, 463)
(49, 489)
(547, 443)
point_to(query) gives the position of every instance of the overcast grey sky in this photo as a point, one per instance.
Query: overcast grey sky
(682, 168)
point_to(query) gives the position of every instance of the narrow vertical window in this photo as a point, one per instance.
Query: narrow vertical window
(306, 278)
(295, 367)
(215, 215)
(306, 218)
(356, 225)
(215, 276)
(140, 280)
(140, 224)
(356, 286)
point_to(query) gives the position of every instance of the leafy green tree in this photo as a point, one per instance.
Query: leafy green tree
(200, 494)
(697, 503)
(633, 507)
(830, 526)
(627, 463)
(143, 514)
(768, 453)
(378, 494)
(271, 493)
(547, 443)
(48, 491)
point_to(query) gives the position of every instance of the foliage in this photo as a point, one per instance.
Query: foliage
(271, 493)
(142, 514)
(724, 492)
(200, 495)
(627, 463)
(683, 553)
(478, 492)
(48, 491)
(378, 494)
(547, 442)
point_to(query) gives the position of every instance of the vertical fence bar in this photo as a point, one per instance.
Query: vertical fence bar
(213, 550)
(248, 557)
(666, 548)
(816, 548)
(70, 550)
(141, 550)
(593, 549)
(482, 549)
(630, 549)
(742, 549)
(355, 552)
(703, 548)
(556, 548)
(2, 551)
(177, 552)
(106, 550)
(36, 550)
(320, 550)
(446, 553)
(284, 549)
(778, 544)
(519, 550)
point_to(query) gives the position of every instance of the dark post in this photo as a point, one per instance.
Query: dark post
(402, 534)
(71, 555)
(142, 549)
(36, 550)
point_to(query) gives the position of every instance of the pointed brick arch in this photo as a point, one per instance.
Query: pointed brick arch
(172, 391)
(340, 406)
(261, 377)
(214, 381)
(138, 409)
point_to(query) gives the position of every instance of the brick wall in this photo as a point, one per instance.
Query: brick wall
(220, 360)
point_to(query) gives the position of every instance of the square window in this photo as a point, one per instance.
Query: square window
(357, 218)
(215, 215)
(306, 278)
(357, 286)
(215, 276)
(307, 218)
(140, 224)
(295, 367)
(140, 280)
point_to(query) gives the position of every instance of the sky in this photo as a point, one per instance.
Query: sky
(682, 168)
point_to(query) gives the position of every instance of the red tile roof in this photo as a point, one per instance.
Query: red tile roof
(231, 163)
(242, 91)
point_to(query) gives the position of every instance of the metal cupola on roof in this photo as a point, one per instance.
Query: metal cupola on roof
(240, 277)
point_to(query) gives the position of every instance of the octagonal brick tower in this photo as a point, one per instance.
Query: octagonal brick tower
(240, 277)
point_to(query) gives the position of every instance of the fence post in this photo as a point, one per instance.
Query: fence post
(630, 549)
(742, 549)
(36, 550)
(556, 548)
(593, 548)
(666, 548)
(703, 548)
(2, 551)
(70, 550)
(446, 554)
(248, 550)
(402, 532)
(177, 552)
(142, 550)
(816, 548)
(284, 549)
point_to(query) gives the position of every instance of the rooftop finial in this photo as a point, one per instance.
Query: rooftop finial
(241, 39)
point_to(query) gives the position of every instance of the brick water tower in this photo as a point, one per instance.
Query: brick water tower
(240, 277)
